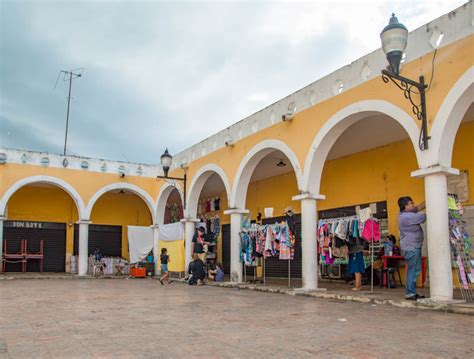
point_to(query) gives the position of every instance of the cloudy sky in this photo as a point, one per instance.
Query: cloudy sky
(169, 74)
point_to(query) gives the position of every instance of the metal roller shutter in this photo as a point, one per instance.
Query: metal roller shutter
(107, 238)
(226, 248)
(54, 244)
(277, 268)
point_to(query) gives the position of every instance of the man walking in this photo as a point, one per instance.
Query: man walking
(411, 241)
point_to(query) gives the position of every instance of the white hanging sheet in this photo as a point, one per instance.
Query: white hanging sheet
(140, 242)
(171, 232)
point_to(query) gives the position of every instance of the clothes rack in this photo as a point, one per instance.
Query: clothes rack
(266, 245)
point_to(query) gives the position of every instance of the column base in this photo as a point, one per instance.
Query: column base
(306, 290)
(429, 301)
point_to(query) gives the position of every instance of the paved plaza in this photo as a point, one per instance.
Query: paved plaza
(140, 318)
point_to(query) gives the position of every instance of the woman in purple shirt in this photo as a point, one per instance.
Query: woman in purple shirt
(411, 241)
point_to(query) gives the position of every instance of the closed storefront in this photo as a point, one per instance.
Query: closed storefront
(53, 236)
(107, 238)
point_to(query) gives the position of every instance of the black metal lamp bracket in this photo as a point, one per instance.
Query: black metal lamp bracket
(184, 178)
(419, 109)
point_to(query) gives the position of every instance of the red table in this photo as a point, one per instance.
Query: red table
(423, 267)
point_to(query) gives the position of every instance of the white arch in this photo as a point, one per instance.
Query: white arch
(338, 123)
(198, 182)
(81, 209)
(448, 119)
(125, 186)
(250, 162)
(162, 199)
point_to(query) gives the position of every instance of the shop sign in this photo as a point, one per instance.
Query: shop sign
(27, 224)
(34, 225)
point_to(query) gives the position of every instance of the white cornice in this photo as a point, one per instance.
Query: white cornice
(45, 159)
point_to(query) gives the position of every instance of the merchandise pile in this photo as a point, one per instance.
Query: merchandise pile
(461, 247)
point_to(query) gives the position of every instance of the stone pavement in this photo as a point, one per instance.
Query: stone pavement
(140, 318)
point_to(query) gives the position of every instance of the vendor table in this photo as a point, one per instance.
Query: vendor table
(399, 258)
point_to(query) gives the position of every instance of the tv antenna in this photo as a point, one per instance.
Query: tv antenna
(68, 76)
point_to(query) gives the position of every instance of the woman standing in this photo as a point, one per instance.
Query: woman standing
(356, 262)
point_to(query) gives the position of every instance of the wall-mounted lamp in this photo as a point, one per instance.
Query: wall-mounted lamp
(394, 42)
(166, 160)
(291, 112)
(228, 141)
(281, 164)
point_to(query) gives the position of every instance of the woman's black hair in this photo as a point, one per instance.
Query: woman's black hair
(403, 201)
(163, 250)
(392, 238)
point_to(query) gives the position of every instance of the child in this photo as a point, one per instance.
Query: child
(217, 274)
(164, 259)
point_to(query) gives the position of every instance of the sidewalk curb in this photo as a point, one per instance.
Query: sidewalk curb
(438, 307)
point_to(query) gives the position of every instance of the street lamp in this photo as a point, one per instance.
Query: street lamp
(166, 160)
(394, 42)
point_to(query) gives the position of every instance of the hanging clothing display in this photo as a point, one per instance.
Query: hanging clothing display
(371, 230)
(338, 236)
(212, 226)
(208, 205)
(173, 213)
(334, 237)
(270, 240)
(461, 249)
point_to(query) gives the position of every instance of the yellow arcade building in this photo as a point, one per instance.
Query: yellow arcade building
(348, 139)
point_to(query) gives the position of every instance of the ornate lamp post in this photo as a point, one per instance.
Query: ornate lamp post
(394, 42)
(166, 160)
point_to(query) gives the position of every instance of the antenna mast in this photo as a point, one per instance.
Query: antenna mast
(69, 76)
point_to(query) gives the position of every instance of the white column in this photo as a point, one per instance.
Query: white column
(83, 246)
(308, 240)
(235, 228)
(2, 219)
(439, 252)
(189, 230)
(156, 255)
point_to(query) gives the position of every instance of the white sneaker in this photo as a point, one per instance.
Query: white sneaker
(199, 282)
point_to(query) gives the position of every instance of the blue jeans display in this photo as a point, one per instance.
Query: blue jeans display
(413, 259)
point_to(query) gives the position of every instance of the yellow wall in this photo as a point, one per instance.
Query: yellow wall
(44, 204)
(121, 210)
(463, 155)
(273, 192)
(175, 250)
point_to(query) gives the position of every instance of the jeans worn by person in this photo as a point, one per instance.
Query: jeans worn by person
(411, 241)
(413, 259)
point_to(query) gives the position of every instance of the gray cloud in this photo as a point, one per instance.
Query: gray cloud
(167, 74)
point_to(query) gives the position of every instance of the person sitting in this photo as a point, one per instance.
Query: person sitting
(217, 274)
(98, 265)
(196, 270)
